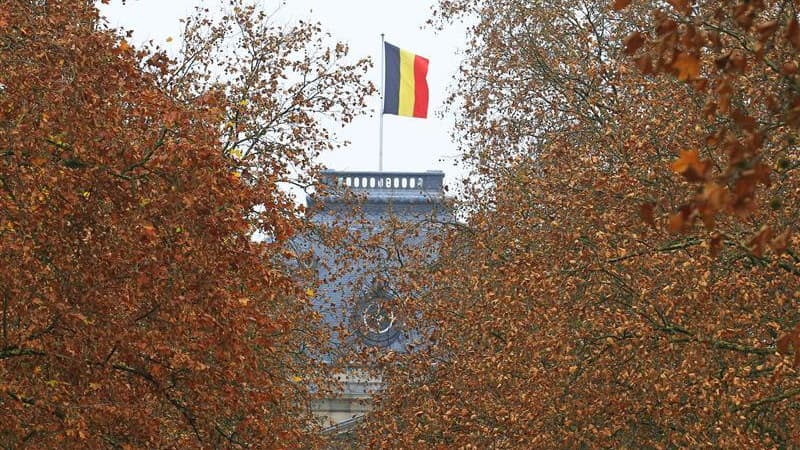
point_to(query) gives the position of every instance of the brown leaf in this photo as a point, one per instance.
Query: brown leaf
(722, 61)
(715, 245)
(633, 42)
(123, 45)
(709, 110)
(688, 66)
(744, 14)
(780, 242)
(621, 4)
(766, 29)
(790, 343)
(646, 214)
(734, 149)
(715, 138)
(737, 62)
(744, 121)
(772, 103)
(149, 230)
(793, 33)
(724, 92)
(784, 343)
(699, 84)
(676, 222)
(762, 174)
(666, 26)
(645, 64)
(680, 221)
(714, 196)
(682, 6)
(690, 166)
(760, 241)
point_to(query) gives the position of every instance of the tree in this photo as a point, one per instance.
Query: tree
(137, 311)
(572, 309)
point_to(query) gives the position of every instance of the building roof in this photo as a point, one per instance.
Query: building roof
(383, 187)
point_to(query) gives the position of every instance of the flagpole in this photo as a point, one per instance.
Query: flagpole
(380, 110)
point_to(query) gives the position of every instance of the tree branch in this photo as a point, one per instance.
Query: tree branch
(767, 400)
(11, 352)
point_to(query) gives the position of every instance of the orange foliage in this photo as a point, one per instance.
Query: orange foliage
(137, 311)
(563, 313)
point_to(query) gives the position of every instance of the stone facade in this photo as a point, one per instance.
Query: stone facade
(411, 197)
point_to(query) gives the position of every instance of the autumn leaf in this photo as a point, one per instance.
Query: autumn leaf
(646, 214)
(788, 68)
(687, 65)
(149, 230)
(744, 121)
(715, 245)
(681, 6)
(760, 241)
(766, 29)
(645, 64)
(689, 165)
(785, 342)
(633, 42)
(793, 33)
(621, 4)
(790, 343)
(676, 222)
(714, 196)
(38, 161)
(780, 243)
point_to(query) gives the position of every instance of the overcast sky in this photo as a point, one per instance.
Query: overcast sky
(409, 144)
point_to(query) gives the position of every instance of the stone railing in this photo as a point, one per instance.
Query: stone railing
(430, 181)
(353, 401)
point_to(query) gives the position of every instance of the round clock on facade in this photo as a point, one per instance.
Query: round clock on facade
(374, 318)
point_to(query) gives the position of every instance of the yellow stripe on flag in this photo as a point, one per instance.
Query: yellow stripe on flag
(406, 106)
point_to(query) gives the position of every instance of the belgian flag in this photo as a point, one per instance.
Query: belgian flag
(406, 89)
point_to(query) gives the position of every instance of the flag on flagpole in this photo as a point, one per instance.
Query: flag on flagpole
(405, 83)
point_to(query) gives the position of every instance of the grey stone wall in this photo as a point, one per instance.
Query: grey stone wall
(414, 198)
(364, 201)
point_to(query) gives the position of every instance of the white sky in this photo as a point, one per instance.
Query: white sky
(409, 144)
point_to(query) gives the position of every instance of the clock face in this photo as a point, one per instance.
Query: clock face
(375, 319)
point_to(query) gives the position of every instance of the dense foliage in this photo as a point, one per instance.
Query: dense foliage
(137, 310)
(626, 276)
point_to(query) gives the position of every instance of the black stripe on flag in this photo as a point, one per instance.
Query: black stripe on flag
(391, 98)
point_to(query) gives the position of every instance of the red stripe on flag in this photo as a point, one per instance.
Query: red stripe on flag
(420, 87)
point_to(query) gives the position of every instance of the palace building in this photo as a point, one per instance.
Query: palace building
(357, 291)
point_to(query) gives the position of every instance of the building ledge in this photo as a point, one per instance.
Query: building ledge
(382, 187)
